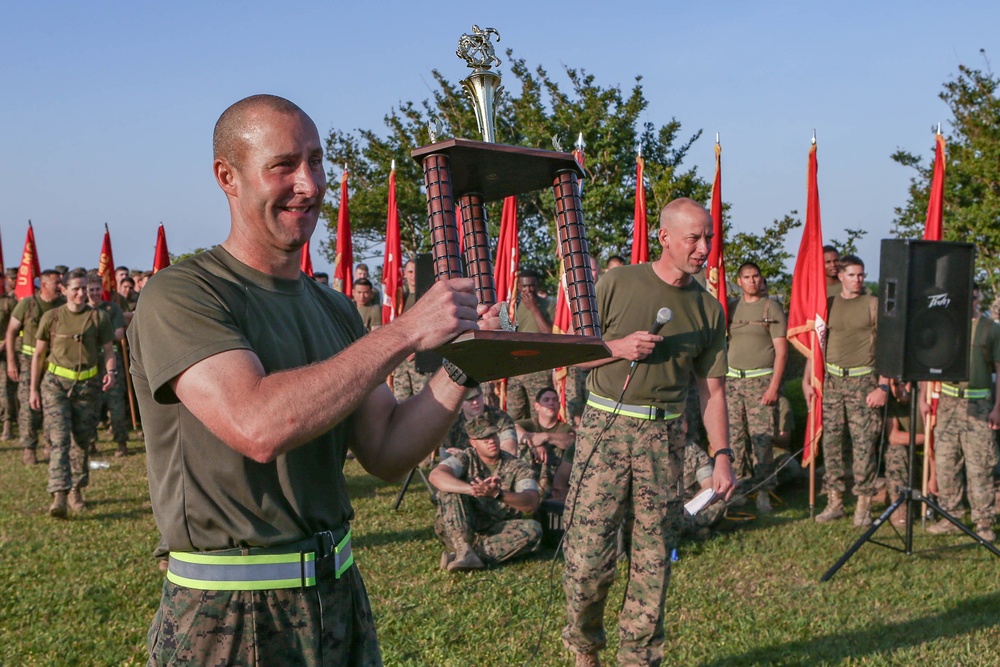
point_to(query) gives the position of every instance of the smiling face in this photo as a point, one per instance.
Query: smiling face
(275, 179)
(76, 293)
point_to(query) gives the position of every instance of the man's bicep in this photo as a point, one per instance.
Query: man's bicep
(211, 387)
(369, 423)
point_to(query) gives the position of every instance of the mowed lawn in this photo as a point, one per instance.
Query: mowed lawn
(82, 591)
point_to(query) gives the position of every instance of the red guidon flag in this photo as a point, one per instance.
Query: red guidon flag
(161, 257)
(392, 265)
(640, 224)
(343, 261)
(807, 314)
(935, 205)
(562, 323)
(715, 268)
(505, 269)
(306, 261)
(29, 268)
(106, 267)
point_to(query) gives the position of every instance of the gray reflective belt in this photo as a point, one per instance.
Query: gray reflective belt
(650, 412)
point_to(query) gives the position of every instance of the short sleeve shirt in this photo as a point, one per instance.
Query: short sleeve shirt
(526, 321)
(752, 330)
(205, 495)
(514, 474)
(984, 353)
(29, 311)
(371, 316)
(851, 332)
(75, 339)
(628, 300)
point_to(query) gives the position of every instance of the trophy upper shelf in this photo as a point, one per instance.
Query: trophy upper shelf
(497, 170)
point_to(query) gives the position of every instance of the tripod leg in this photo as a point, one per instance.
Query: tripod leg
(402, 491)
(903, 497)
(937, 508)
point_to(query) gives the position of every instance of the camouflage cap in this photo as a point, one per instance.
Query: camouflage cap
(481, 427)
(472, 392)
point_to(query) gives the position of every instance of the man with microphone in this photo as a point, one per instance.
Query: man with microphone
(630, 447)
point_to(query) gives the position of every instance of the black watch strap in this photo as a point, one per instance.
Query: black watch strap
(457, 375)
(727, 452)
(500, 495)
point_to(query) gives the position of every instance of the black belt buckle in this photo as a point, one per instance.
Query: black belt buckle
(325, 544)
(658, 414)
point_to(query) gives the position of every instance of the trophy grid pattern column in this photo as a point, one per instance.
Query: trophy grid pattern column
(576, 256)
(441, 216)
(478, 259)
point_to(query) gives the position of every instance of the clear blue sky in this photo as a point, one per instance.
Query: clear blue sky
(108, 107)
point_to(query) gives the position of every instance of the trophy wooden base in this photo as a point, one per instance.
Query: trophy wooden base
(491, 355)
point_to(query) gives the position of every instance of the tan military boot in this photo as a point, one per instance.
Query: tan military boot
(465, 559)
(899, 516)
(29, 458)
(587, 660)
(985, 531)
(862, 513)
(834, 508)
(122, 450)
(8, 431)
(76, 500)
(446, 559)
(943, 527)
(764, 502)
(58, 508)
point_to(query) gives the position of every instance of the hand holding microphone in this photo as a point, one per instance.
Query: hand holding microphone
(663, 316)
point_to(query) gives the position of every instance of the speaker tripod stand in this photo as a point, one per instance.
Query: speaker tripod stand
(911, 499)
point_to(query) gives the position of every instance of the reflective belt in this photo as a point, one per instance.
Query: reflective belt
(27, 350)
(752, 373)
(638, 411)
(957, 392)
(71, 374)
(840, 371)
(289, 566)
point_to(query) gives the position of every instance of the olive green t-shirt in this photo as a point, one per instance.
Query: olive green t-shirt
(371, 315)
(75, 339)
(29, 311)
(628, 299)
(850, 341)
(205, 495)
(534, 426)
(984, 353)
(7, 304)
(752, 328)
(526, 321)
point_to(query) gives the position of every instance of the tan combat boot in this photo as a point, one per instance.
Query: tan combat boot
(465, 559)
(834, 508)
(76, 500)
(943, 527)
(446, 559)
(58, 508)
(862, 513)
(29, 458)
(587, 660)
(985, 531)
(8, 431)
(899, 516)
(764, 502)
(122, 450)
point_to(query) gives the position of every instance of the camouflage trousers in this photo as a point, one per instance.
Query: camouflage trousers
(635, 472)
(114, 401)
(576, 393)
(493, 541)
(521, 391)
(751, 429)
(897, 471)
(330, 624)
(406, 381)
(8, 393)
(965, 443)
(70, 410)
(29, 421)
(845, 410)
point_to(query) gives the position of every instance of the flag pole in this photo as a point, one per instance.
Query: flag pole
(812, 461)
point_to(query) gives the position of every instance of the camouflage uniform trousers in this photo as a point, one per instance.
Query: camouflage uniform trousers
(751, 423)
(406, 381)
(965, 442)
(114, 401)
(29, 421)
(637, 469)
(576, 393)
(844, 409)
(897, 459)
(521, 391)
(8, 394)
(330, 624)
(493, 541)
(70, 410)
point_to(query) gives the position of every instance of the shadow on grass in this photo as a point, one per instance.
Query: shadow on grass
(378, 539)
(103, 510)
(972, 615)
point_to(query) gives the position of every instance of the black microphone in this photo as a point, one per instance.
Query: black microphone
(663, 316)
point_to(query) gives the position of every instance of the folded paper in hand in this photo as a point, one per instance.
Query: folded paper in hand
(700, 501)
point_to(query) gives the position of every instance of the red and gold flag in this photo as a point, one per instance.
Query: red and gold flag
(343, 262)
(392, 265)
(306, 261)
(715, 268)
(161, 257)
(807, 314)
(640, 224)
(934, 228)
(29, 268)
(106, 267)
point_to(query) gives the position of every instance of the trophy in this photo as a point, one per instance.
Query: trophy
(470, 173)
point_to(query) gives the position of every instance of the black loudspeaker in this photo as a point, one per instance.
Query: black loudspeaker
(430, 361)
(925, 310)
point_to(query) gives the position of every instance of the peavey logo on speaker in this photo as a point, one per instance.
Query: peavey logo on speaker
(938, 300)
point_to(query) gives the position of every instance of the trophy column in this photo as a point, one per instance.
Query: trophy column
(441, 216)
(575, 254)
(478, 260)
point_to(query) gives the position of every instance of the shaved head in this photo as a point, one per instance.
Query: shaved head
(237, 122)
(678, 209)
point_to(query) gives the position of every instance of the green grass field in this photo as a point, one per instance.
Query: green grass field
(83, 591)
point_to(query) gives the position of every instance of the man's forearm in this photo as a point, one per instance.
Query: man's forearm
(525, 501)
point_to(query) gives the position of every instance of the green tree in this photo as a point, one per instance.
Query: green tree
(850, 246)
(534, 110)
(972, 175)
(766, 250)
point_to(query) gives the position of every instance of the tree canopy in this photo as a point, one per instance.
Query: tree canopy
(534, 109)
(972, 173)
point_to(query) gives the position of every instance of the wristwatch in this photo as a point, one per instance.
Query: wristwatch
(725, 452)
(884, 387)
(457, 375)
(499, 495)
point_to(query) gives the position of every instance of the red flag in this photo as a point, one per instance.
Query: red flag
(343, 262)
(29, 269)
(933, 230)
(392, 265)
(161, 258)
(505, 269)
(807, 314)
(640, 224)
(306, 262)
(106, 267)
(562, 323)
(715, 268)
